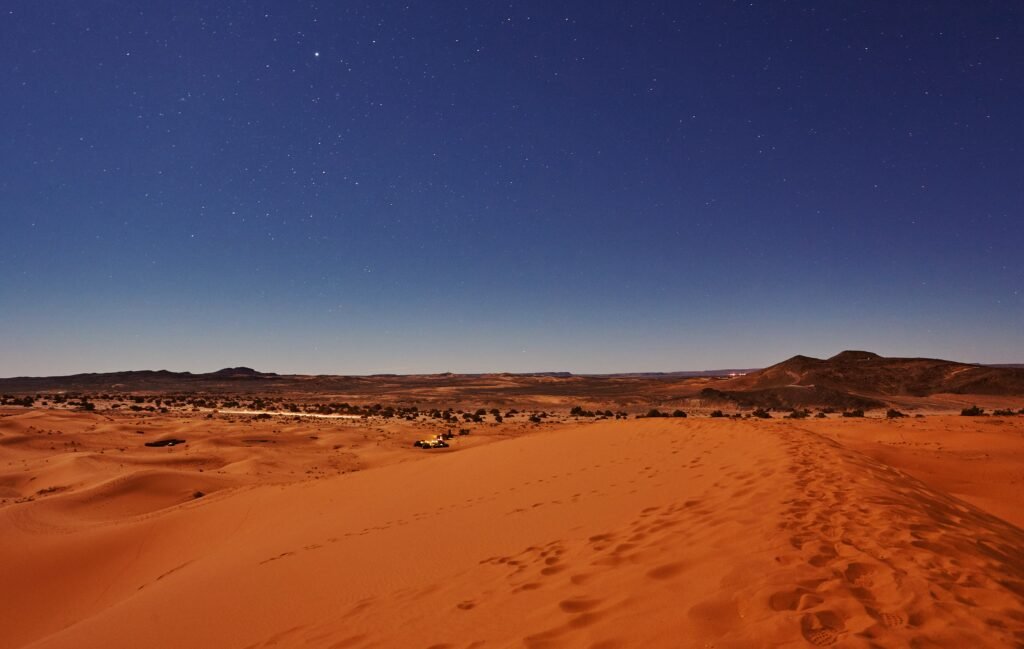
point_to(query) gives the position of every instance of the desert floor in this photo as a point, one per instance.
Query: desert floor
(338, 533)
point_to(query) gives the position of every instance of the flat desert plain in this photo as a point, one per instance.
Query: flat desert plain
(655, 532)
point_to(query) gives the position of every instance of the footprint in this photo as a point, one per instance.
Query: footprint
(666, 571)
(578, 604)
(821, 629)
(793, 600)
(280, 556)
(889, 620)
(859, 574)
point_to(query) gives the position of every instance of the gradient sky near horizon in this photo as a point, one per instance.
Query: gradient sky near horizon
(589, 186)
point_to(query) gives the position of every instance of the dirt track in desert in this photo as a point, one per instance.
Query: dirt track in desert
(640, 533)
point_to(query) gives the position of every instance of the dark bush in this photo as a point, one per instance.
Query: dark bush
(678, 413)
(892, 413)
(798, 414)
(717, 413)
(973, 411)
(761, 413)
(853, 413)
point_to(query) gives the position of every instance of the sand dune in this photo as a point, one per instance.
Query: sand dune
(640, 533)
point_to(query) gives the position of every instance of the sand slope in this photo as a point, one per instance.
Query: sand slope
(650, 533)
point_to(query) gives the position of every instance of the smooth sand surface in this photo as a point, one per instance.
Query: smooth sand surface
(638, 533)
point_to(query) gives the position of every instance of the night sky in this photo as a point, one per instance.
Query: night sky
(589, 186)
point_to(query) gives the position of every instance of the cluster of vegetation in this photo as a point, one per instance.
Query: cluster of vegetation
(797, 413)
(580, 411)
(10, 400)
(654, 412)
(1007, 412)
(853, 413)
(761, 413)
(892, 413)
(163, 403)
(975, 411)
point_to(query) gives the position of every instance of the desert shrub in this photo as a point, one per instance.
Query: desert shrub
(678, 413)
(853, 413)
(535, 419)
(796, 413)
(998, 413)
(654, 412)
(761, 413)
(717, 413)
(821, 415)
(973, 411)
(9, 400)
(892, 413)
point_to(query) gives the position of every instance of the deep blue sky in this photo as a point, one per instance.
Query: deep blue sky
(356, 187)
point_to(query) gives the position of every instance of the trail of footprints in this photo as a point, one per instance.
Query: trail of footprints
(866, 533)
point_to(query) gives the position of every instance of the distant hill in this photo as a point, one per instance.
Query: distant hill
(865, 379)
(240, 372)
(131, 380)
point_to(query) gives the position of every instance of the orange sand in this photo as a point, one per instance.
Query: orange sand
(639, 533)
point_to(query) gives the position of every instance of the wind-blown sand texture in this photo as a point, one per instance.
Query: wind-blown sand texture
(639, 533)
